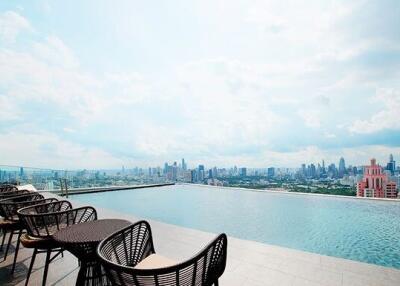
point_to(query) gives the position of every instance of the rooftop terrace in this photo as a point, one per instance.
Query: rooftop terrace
(249, 263)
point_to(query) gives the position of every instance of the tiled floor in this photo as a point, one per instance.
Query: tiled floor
(249, 263)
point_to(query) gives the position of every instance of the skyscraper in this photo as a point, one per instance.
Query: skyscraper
(193, 174)
(303, 170)
(184, 166)
(174, 171)
(313, 171)
(391, 165)
(342, 167)
(165, 168)
(200, 175)
(271, 172)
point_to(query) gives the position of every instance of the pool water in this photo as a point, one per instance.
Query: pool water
(363, 230)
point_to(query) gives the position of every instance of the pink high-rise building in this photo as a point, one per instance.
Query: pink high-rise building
(375, 183)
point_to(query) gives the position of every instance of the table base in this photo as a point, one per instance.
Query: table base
(91, 273)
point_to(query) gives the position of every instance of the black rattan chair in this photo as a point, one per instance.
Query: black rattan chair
(7, 188)
(9, 192)
(42, 221)
(13, 193)
(5, 223)
(11, 222)
(129, 258)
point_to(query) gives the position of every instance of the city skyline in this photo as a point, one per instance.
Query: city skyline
(374, 180)
(389, 163)
(238, 82)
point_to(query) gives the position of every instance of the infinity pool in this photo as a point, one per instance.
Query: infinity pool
(362, 230)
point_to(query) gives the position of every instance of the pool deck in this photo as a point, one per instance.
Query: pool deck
(249, 263)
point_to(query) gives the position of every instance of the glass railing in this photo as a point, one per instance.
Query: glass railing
(53, 179)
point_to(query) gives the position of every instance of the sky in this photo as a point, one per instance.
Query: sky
(105, 84)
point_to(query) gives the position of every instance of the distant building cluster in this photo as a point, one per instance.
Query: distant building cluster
(331, 171)
(364, 181)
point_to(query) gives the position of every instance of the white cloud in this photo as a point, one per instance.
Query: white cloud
(54, 52)
(304, 22)
(329, 135)
(223, 110)
(11, 24)
(8, 109)
(387, 118)
(355, 156)
(312, 118)
(47, 150)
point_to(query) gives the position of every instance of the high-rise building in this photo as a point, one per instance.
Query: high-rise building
(193, 174)
(215, 172)
(332, 171)
(184, 166)
(200, 175)
(376, 183)
(174, 171)
(271, 172)
(303, 170)
(391, 165)
(243, 172)
(313, 171)
(342, 167)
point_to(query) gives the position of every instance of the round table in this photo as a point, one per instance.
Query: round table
(82, 240)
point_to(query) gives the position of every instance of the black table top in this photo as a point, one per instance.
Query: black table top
(89, 232)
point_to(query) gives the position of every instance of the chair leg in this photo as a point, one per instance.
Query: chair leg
(8, 245)
(46, 267)
(16, 251)
(31, 266)
(4, 238)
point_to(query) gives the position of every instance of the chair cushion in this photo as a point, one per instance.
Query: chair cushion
(154, 261)
(7, 224)
(37, 242)
(4, 222)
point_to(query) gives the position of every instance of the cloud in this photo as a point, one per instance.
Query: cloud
(329, 135)
(356, 156)
(48, 150)
(54, 52)
(312, 118)
(11, 25)
(8, 110)
(285, 90)
(387, 118)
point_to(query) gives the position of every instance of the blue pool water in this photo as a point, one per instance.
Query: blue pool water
(362, 230)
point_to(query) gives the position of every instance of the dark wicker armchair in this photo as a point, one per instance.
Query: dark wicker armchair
(13, 193)
(5, 221)
(11, 223)
(7, 188)
(42, 221)
(129, 258)
(6, 224)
